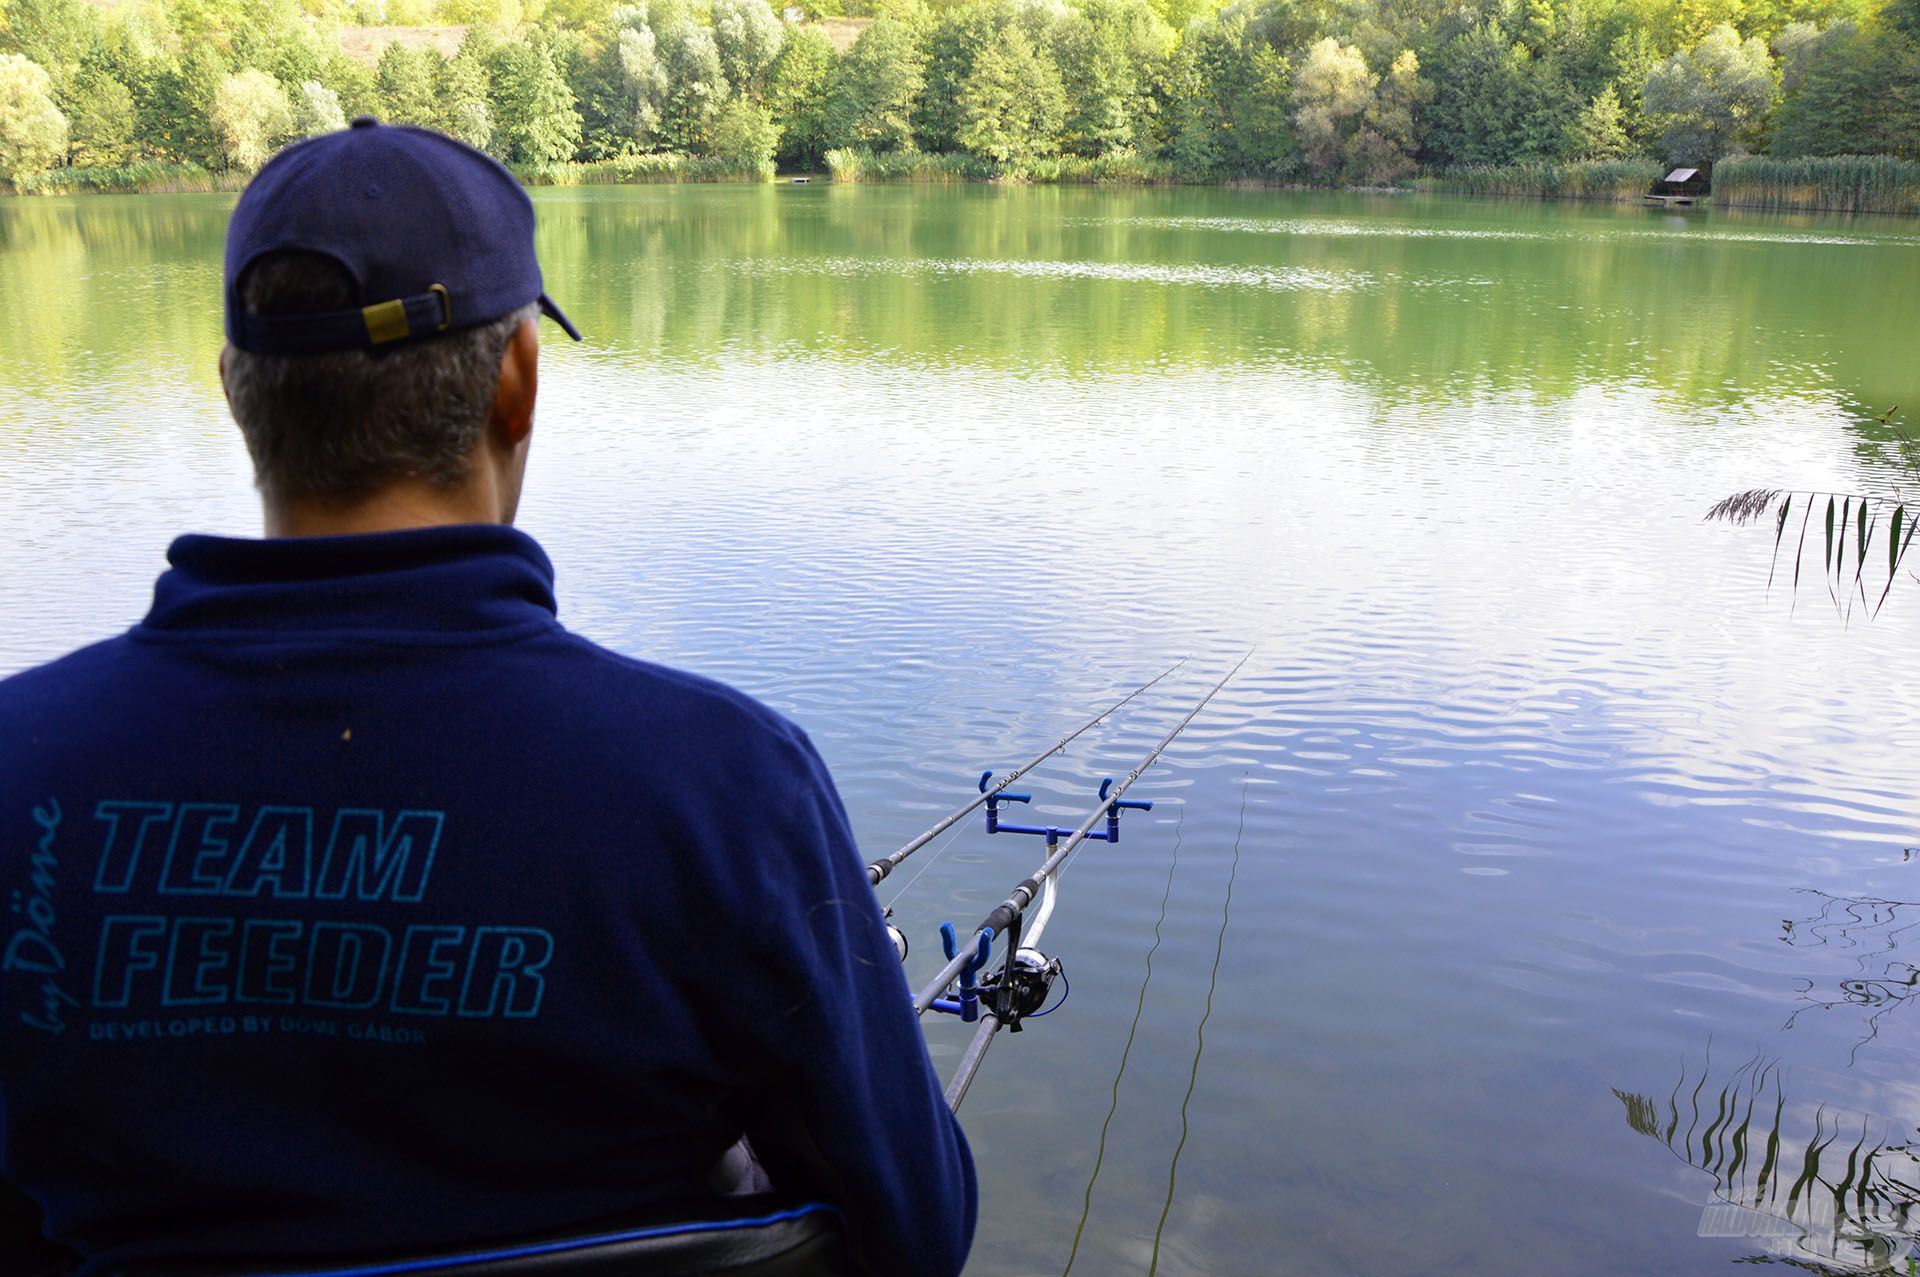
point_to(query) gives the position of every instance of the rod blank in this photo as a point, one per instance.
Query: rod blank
(879, 869)
(1016, 903)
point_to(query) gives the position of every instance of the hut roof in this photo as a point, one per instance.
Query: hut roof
(1683, 175)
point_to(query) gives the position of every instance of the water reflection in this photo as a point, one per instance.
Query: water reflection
(1872, 931)
(1829, 1191)
(1411, 299)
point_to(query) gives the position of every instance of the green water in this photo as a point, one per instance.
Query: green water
(1544, 878)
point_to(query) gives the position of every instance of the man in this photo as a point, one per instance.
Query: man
(359, 909)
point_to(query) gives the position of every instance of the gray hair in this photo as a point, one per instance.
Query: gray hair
(338, 427)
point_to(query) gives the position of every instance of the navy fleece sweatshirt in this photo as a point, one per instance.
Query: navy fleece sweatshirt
(360, 909)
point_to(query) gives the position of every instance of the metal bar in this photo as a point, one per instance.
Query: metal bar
(970, 1062)
(879, 869)
(1016, 903)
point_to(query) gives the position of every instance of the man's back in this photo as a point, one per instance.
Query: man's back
(420, 921)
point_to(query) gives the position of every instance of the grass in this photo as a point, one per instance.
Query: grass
(1832, 183)
(852, 164)
(1599, 180)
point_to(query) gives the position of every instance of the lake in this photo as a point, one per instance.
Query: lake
(1542, 880)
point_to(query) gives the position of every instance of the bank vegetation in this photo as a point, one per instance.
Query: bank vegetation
(1796, 103)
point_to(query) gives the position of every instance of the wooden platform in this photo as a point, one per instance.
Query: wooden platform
(1668, 201)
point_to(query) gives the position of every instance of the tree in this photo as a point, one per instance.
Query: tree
(33, 133)
(1331, 93)
(1495, 102)
(745, 133)
(407, 83)
(1012, 105)
(1231, 102)
(1112, 56)
(876, 88)
(464, 92)
(1713, 97)
(1601, 133)
(1389, 135)
(953, 39)
(797, 94)
(100, 119)
(316, 110)
(748, 37)
(696, 85)
(250, 117)
(535, 121)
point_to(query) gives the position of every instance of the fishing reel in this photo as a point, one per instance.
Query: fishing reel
(1021, 987)
(898, 937)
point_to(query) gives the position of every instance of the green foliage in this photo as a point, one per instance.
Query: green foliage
(696, 84)
(536, 122)
(1601, 132)
(33, 133)
(1514, 97)
(1332, 92)
(1114, 57)
(877, 88)
(316, 109)
(250, 117)
(407, 82)
(1842, 183)
(748, 37)
(745, 134)
(1012, 105)
(1712, 98)
(797, 94)
(1496, 102)
(100, 119)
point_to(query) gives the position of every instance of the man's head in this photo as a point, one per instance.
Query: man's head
(382, 354)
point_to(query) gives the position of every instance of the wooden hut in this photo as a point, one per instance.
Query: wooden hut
(1682, 186)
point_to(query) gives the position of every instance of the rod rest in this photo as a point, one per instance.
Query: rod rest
(758, 1236)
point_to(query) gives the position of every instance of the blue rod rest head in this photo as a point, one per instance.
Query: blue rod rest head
(1105, 785)
(1131, 804)
(949, 940)
(984, 778)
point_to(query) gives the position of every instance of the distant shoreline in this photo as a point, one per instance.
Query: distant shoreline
(1837, 185)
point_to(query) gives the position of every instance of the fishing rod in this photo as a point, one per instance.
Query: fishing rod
(1025, 979)
(879, 869)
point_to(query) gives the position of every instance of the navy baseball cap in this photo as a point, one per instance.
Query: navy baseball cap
(437, 236)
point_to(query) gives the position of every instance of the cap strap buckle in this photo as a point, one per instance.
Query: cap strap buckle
(394, 320)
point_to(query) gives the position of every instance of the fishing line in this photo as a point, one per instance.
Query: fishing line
(1100, 1156)
(938, 852)
(1200, 1042)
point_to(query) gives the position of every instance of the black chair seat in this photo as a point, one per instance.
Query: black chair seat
(738, 1237)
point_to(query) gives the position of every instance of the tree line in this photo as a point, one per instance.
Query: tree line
(1353, 91)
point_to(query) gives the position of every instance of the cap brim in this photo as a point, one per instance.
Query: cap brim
(552, 312)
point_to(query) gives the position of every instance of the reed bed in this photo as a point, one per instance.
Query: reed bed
(146, 177)
(854, 164)
(1828, 183)
(1618, 180)
(640, 170)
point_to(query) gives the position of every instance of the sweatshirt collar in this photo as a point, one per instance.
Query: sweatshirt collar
(465, 581)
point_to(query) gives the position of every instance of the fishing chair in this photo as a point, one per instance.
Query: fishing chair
(759, 1236)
